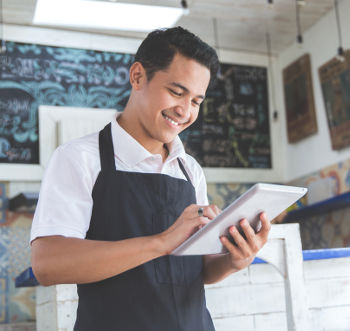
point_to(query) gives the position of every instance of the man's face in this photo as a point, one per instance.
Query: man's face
(171, 99)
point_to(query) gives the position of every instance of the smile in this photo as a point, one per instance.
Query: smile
(170, 120)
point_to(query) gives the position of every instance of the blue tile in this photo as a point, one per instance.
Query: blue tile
(3, 203)
(4, 247)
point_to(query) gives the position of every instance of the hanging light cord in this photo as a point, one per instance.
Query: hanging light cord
(1, 21)
(338, 24)
(269, 54)
(297, 14)
(2, 46)
(216, 36)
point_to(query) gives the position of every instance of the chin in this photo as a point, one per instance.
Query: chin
(168, 139)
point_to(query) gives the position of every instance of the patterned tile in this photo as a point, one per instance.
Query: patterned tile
(223, 194)
(19, 250)
(4, 244)
(21, 303)
(16, 304)
(4, 308)
(3, 203)
(331, 230)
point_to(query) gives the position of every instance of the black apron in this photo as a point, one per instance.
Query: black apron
(165, 294)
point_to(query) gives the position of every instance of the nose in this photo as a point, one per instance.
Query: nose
(183, 108)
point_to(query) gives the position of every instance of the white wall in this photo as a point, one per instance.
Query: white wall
(321, 41)
(84, 40)
(250, 300)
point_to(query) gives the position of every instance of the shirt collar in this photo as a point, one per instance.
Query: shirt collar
(135, 152)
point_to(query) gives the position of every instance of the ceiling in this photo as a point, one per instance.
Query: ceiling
(241, 24)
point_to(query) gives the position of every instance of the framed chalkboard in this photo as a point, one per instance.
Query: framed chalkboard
(232, 132)
(33, 75)
(335, 83)
(233, 129)
(299, 99)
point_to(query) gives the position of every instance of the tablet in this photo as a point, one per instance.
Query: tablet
(270, 198)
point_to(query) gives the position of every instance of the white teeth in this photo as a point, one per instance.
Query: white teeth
(170, 120)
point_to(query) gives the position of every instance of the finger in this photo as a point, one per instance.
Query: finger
(204, 220)
(239, 240)
(199, 222)
(265, 225)
(192, 211)
(248, 231)
(217, 209)
(232, 249)
(209, 212)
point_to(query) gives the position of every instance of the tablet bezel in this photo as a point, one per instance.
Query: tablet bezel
(287, 195)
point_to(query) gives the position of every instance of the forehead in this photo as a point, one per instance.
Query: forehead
(187, 72)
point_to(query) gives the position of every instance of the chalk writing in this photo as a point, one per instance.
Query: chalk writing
(33, 75)
(233, 127)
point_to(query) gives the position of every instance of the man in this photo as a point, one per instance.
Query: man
(114, 204)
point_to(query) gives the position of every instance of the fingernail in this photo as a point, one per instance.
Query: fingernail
(243, 221)
(233, 229)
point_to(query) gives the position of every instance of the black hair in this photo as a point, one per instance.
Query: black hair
(160, 46)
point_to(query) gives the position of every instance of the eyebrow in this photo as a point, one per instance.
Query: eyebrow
(185, 89)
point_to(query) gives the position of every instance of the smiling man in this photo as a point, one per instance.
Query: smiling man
(114, 204)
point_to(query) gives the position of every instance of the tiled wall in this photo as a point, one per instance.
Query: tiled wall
(16, 304)
(330, 230)
(340, 172)
(223, 194)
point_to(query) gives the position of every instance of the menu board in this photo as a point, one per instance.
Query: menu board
(233, 125)
(33, 75)
(335, 83)
(232, 129)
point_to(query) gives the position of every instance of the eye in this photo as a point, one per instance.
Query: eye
(175, 93)
(195, 102)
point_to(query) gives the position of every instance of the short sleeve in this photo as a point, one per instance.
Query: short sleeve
(65, 201)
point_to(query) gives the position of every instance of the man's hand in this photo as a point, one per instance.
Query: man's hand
(240, 255)
(187, 224)
(243, 253)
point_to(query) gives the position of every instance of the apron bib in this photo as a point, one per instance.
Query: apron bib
(165, 294)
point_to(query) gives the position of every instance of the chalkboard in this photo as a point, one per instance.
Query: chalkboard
(233, 129)
(33, 75)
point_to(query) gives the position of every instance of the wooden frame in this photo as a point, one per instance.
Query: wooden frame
(56, 125)
(299, 99)
(335, 83)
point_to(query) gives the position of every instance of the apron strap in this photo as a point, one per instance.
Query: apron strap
(107, 152)
(106, 149)
(184, 170)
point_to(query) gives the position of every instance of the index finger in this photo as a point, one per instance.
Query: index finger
(211, 211)
(265, 224)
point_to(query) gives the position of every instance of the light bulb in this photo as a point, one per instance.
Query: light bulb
(340, 56)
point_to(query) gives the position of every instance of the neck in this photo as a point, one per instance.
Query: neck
(132, 126)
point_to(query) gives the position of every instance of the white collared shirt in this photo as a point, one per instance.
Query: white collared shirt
(65, 200)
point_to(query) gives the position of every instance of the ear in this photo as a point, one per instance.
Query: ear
(137, 74)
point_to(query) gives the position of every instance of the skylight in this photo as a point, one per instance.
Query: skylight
(105, 15)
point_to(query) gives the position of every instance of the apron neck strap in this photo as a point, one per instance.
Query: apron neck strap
(106, 149)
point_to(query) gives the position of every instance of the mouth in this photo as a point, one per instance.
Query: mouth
(171, 120)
